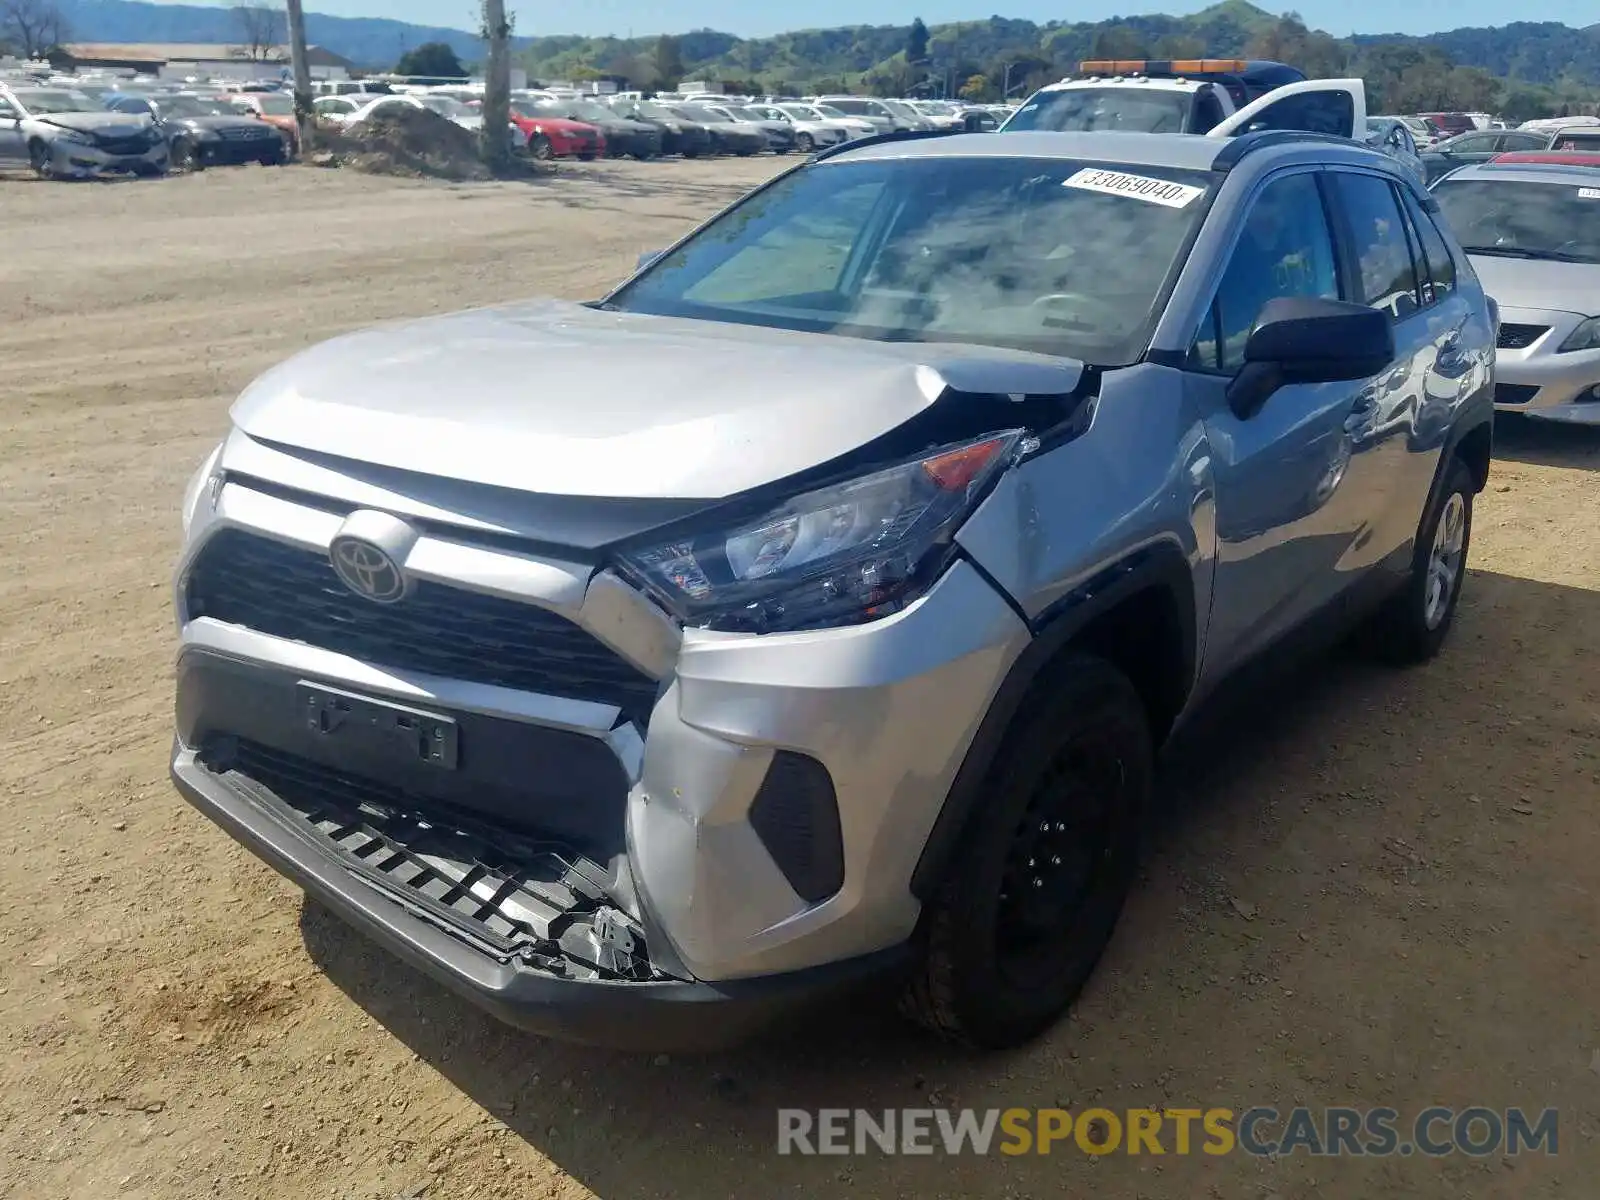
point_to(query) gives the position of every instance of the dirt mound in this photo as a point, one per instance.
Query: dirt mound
(408, 141)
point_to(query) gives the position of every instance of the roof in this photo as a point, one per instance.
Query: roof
(1526, 172)
(157, 53)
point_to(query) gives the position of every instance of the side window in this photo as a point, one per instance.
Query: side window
(1388, 277)
(1207, 111)
(7, 113)
(1331, 112)
(1284, 249)
(1440, 266)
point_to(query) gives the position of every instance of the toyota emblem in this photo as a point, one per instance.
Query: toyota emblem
(367, 570)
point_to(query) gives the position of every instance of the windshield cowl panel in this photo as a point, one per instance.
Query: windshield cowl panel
(1021, 253)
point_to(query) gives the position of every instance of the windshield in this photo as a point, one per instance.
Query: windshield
(190, 106)
(1026, 253)
(709, 115)
(446, 107)
(829, 112)
(578, 110)
(275, 106)
(1078, 109)
(1514, 219)
(901, 109)
(55, 102)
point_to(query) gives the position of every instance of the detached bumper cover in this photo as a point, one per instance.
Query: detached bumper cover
(658, 1014)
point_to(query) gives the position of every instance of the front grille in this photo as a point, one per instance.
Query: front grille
(532, 900)
(291, 592)
(126, 145)
(1520, 337)
(1514, 393)
(243, 134)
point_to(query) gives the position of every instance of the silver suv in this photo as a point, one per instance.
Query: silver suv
(807, 613)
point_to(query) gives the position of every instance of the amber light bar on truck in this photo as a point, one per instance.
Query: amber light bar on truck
(1169, 66)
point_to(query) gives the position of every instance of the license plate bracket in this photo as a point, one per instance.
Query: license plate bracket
(380, 726)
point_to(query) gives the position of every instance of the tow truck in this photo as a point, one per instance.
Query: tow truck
(1218, 97)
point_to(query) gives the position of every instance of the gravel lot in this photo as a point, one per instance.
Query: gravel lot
(1382, 889)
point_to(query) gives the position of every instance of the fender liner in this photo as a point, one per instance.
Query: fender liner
(1161, 565)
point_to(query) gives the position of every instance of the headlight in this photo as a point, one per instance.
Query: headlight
(202, 489)
(850, 552)
(76, 136)
(1584, 337)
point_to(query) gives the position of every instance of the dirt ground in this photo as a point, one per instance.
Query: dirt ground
(1382, 889)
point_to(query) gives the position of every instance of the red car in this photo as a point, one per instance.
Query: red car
(1560, 158)
(557, 137)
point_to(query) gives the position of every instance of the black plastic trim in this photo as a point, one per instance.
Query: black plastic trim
(654, 1016)
(1158, 566)
(795, 813)
(1235, 149)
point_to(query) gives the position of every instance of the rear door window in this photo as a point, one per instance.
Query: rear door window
(1387, 275)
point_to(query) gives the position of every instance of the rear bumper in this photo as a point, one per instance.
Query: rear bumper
(655, 1016)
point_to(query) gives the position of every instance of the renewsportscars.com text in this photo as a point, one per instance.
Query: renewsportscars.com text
(1262, 1131)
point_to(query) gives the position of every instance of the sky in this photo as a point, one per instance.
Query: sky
(759, 18)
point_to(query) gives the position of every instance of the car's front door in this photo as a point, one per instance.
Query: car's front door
(1291, 485)
(1332, 106)
(13, 147)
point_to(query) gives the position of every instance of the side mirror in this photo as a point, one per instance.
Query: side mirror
(1305, 339)
(648, 257)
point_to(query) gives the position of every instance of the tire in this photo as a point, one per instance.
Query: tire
(1061, 817)
(746, 151)
(539, 147)
(41, 160)
(184, 156)
(805, 143)
(1412, 627)
(586, 158)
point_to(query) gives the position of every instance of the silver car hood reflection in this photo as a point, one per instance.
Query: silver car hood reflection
(564, 399)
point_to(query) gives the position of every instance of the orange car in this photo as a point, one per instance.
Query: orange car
(276, 109)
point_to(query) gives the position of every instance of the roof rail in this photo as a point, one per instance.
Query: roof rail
(874, 139)
(1235, 148)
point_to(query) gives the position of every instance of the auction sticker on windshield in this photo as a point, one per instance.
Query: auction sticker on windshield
(1140, 187)
(1589, 193)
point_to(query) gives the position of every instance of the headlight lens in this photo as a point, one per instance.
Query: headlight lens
(839, 555)
(1584, 337)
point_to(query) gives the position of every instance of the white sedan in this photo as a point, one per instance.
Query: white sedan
(854, 127)
(352, 110)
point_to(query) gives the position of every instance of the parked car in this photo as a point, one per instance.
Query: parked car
(865, 108)
(854, 127)
(1533, 235)
(550, 136)
(910, 505)
(807, 134)
(1578, 137)
(939, 114)
(276, 109)
(1556, 158)
(204, 133)
(727, 135)
(1392, 136)
(1450, 124)
(678, 135)
(1424, 134)
(66, 134)
(779, 134)
(1478, 146)
(624, 137)
(339, 110)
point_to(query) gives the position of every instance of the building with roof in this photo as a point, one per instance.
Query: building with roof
(181, 60)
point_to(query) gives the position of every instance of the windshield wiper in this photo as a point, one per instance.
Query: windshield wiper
(1520, 252)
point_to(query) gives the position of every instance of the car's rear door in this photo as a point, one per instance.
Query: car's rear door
(13, 147)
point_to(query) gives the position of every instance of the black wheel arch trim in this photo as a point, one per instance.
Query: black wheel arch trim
(1158, 566)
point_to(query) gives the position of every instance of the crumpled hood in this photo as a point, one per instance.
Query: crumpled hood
(1527, 283)
(102, 124)
(560, 398)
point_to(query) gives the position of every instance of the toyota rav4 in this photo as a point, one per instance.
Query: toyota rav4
(816, 623)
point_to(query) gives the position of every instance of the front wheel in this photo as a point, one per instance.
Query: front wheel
(1413, 626)
(1029, 903)
(540, 148)
(805, 143)
(184, 156)
(40, 159)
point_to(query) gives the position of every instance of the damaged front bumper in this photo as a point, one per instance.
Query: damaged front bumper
(523, 929)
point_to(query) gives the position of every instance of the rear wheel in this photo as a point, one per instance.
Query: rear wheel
(805, 143)
(1029, 904)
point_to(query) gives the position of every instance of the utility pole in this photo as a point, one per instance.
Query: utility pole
(303, 113)
(496, 144)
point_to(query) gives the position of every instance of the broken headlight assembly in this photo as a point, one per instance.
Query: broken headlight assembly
(838, 555)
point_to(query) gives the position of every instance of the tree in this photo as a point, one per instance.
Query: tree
(495, 143)
(260, 30)
(34, 27)
(917, 42)
(1181, 45)
(1119, 41)
(431, 60)
(976, 88)
(669, 61)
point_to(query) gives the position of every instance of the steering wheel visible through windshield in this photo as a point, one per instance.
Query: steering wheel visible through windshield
(1051, 255)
